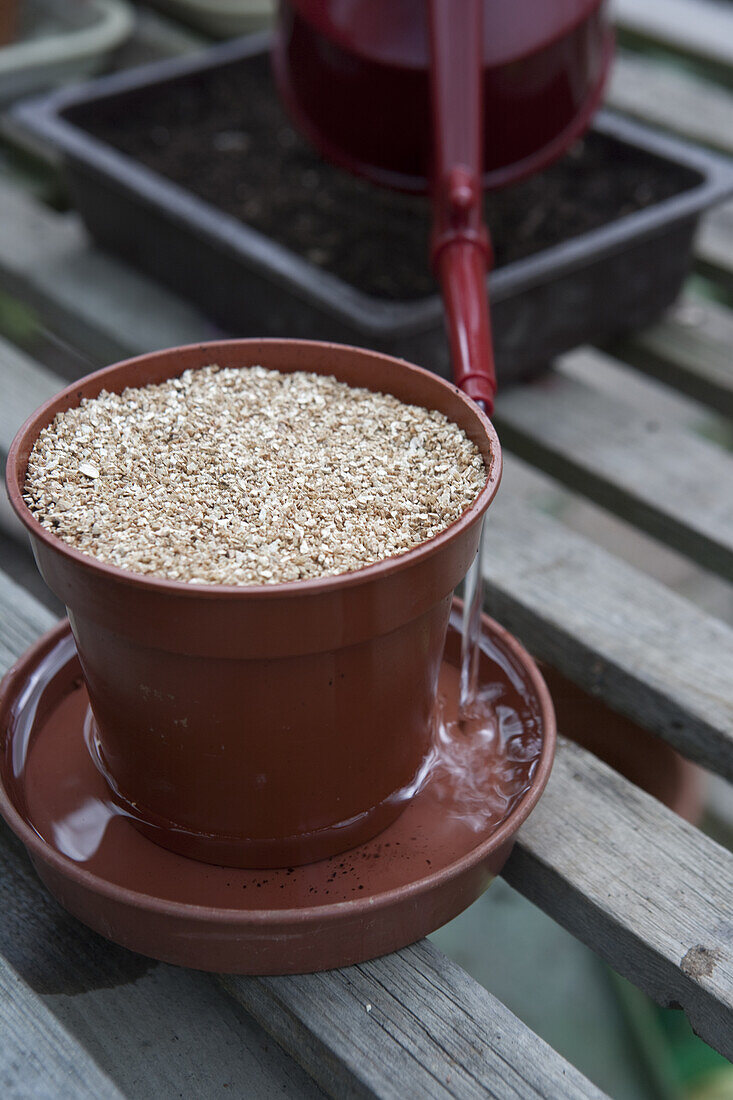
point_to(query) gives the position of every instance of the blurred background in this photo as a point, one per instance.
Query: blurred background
(66, 308)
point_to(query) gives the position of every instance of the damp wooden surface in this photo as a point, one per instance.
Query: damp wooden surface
(40, 1058)
(647, 892)
(155, 1030)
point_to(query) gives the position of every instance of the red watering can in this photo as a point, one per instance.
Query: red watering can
(448, 96)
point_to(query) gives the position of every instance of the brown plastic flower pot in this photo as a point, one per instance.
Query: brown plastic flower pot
(269, 725)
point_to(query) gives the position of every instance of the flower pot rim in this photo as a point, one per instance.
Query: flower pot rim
(42, 851)
(27, 434)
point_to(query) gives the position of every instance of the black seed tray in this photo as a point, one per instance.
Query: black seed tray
(601, 278)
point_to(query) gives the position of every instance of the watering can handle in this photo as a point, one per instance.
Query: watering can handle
(460, 246)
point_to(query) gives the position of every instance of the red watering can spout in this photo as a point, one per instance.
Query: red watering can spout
(460, 249)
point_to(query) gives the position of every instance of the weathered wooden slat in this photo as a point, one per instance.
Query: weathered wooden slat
(90, 299)
(648, 892)
(691, 349)
(38, 1058)
(411, 1023)
(622, 636)
(665, 96)
(671, 484)
(702, 29)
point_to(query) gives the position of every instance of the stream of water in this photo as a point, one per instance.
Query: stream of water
(473, 599)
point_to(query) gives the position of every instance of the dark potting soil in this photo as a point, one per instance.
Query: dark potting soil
(223, 135)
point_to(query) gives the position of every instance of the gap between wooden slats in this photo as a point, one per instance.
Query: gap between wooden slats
(411, 1020)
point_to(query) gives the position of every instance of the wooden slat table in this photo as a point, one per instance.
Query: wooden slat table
(646, 891)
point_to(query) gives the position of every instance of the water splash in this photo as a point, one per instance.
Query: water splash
(488, 752)
(486, 739)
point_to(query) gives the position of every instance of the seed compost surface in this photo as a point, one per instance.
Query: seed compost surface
(223, 135)
(249, 476)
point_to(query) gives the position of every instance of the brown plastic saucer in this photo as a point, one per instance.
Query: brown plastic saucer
(431, 863)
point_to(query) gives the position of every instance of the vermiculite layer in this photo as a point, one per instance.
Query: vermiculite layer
(249, 476)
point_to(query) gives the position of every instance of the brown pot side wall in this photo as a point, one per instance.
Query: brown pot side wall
(264, 748)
